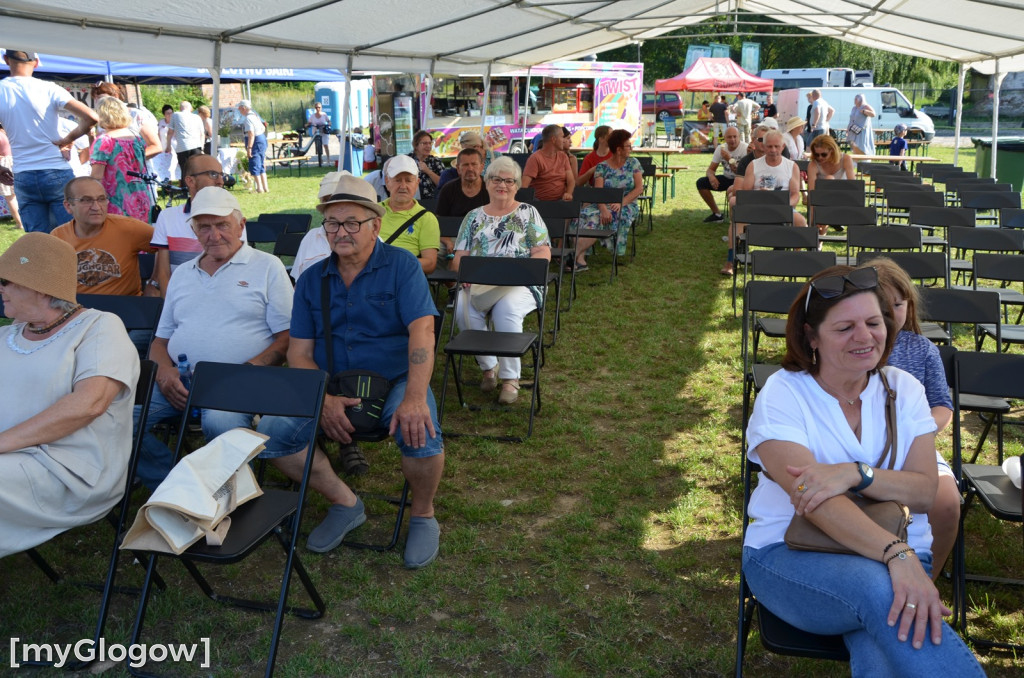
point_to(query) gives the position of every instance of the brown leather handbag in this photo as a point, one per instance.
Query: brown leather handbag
(892, 516)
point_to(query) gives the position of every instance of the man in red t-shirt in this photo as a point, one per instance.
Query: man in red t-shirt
(548, 170)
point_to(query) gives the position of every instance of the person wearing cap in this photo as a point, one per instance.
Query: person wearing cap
(417, 227)
(726, 156)
(231, 304)
(255, 144)
(68, 390)
(794, 137)
(548, 170)
(185, 135)
(108, 245)
(173, 238)
(382, 319)
(29, 110)
(744, 109)
(898, 145)
(314, 245)
(469, 139)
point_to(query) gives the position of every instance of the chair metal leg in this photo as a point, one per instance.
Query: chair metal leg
(402, 502)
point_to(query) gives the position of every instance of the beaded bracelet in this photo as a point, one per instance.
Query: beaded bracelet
(902, 555)
(886, 549)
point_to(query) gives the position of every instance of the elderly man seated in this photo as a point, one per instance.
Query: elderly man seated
(726, 156)
(548, 170)
(231, 304)
(382, 319)
(406, 223)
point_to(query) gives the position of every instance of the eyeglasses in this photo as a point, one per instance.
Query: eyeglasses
(4, 282)
(821, 155)
(213, 174)
(90, 201)
(832, 286)
(502, 180)
(351, 226)
(759, 140)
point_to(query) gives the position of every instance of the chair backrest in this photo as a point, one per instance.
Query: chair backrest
(605, 195)
(287, 244)
(504, 271)
(918, 265)
(1006, 267)
(773, 235)
(762, 198)
(941, 174)
(828, 215)
(985, 239)
(558, 209)
(989, 200)
(450, 226)
(137, 313)
(790, 263)
(763, 214)
(526, 194)
(956, 181)
(825, 198)
(887, 179)
(1011, 217)
(906, 199)
(281, 391)
(997, 375)
(947, 305)
(557, 228)
(259, 232)
(293, 223)
(884, 237)
(519, 158)
(771, 296)
(927, 170)
(929, 215)
(429, 204)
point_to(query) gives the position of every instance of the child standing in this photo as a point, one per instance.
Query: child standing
(898, 146)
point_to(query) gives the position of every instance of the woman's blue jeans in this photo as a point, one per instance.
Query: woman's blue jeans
(832, 594)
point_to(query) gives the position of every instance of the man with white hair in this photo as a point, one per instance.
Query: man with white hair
(29, 113)
(185, 135)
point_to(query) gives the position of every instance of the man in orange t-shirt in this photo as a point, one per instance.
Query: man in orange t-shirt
(108, 245)
(548, 170)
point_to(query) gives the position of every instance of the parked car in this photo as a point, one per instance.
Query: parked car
(663, 105)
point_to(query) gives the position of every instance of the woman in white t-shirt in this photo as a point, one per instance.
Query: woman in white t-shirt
(818, 431)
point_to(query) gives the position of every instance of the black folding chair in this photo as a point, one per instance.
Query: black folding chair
(503, 271)
(601, 196)
(293, 223)
(117, 518)
(277, 513)
(449, 227)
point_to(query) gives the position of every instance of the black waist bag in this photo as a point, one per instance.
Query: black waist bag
(371, 388)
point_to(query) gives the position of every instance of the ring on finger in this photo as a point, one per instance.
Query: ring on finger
(911, 606)
(801, 488)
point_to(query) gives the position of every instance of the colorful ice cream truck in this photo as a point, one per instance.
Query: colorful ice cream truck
(579, 95)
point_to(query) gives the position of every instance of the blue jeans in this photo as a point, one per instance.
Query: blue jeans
(40, 195)
(156, 459)
(291, 434)
(846, 595)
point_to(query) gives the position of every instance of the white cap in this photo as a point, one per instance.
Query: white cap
(244, 102)
(213, 200)
(328, 183)
(399, 164)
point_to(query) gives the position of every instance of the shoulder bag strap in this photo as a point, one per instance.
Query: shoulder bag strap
(890, 424)
(325, 310)
(408, 222)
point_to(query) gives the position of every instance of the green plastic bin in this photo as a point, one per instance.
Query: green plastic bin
(1009, 161)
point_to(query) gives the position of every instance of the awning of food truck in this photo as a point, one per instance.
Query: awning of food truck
(709, 74)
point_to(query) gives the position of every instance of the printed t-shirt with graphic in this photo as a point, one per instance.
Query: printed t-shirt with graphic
(108, 262)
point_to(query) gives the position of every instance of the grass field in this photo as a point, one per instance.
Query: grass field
(607, 544)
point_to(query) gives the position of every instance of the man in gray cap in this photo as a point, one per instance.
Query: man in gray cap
(29, 113)
(381, 319)
(231, 304)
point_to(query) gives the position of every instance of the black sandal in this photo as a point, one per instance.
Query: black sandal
(353, 463)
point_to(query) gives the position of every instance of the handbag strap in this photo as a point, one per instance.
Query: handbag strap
(408, 222)
(890, 424)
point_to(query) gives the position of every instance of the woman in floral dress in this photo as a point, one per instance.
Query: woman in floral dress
(115, 153)
(621, 170)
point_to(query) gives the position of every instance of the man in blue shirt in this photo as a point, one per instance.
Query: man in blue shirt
(382, 319)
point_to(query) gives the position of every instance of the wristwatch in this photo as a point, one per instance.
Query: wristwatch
(867, 476)
(153, 283)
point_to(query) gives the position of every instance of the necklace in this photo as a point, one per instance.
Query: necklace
(835, 394)
(55, 323)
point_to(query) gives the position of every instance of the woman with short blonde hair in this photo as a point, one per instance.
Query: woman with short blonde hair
(116, 155)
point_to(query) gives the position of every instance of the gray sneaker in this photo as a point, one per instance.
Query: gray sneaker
(340, 521)
(423, 543)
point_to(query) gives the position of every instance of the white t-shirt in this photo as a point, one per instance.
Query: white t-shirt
(792, 407)
(228, 317)
(795, 145)
(29, 113)
(768, 178)
(64, 127)
(313, 248)
(819, 105)
(253, 124)
(737, 155)
(188, 132)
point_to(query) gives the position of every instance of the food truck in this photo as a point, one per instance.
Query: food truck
(579, 95)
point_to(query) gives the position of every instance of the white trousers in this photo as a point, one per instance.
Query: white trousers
(506, 315)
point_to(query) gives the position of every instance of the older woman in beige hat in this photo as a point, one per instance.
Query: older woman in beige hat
(794, 137)
(68, 392)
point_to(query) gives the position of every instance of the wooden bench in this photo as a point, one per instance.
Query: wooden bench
(288, 163)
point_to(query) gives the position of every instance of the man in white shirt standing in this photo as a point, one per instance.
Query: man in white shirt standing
(821, 114)
(29, 113)
(185, 135)
(744, 109)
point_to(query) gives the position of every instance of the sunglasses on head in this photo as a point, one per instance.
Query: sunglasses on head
(832, 286)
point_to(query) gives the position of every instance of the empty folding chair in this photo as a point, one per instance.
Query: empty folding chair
(988, 203)
(931, 218)
(1011, 217)
(293, 223)
(965, 241)
(898, 202)
(1006, 269)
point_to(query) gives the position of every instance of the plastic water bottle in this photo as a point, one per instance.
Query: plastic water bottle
(185, 373)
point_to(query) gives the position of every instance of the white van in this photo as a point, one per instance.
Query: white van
(891, 108)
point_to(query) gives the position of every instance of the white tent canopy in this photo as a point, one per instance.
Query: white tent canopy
(483, 36)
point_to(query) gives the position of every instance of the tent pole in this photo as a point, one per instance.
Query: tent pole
(487, 100)
(997, 85)
(215, 114)
(426, 101)
(345, 154)
(526, 118)
(959, 113)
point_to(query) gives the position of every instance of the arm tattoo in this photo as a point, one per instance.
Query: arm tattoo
(417, 356)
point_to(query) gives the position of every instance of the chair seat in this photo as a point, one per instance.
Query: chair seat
(251, 523)
(772, 327)
(482, 342)
(761, 372)
(781, 637)
(599, 233)
(1013, 334)
(995, 490)
(442, 275)
(979, 403)
(934, 332)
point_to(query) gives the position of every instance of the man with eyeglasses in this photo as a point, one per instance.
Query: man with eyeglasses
(406, 223)
(231, 304)
(108, 245)
(381, 318)
(173, 238)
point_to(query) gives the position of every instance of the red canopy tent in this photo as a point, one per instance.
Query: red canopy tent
(714, 75)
